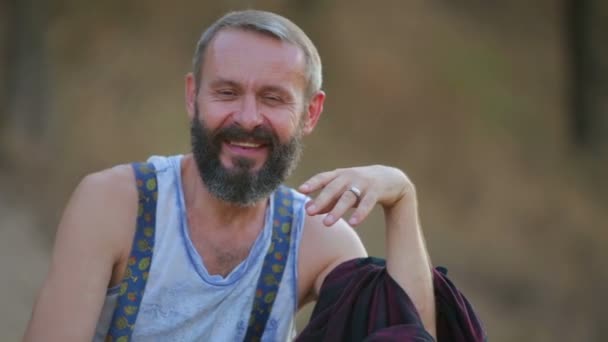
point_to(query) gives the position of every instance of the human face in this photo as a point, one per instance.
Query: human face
(251, 101)
(251, 80)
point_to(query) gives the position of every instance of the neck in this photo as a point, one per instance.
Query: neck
(217, 213)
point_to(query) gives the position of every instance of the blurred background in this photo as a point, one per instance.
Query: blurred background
(498, 111)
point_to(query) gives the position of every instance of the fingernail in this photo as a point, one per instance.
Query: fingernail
(353, 221)
(311, 208)
(304, 187)
(329, 219)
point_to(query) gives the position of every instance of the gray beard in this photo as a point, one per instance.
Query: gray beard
(241, 186)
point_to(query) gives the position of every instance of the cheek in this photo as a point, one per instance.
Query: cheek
(214, 113)
(287, 127)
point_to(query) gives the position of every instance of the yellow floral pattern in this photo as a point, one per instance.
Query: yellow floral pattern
(138, 264)
(274, 265)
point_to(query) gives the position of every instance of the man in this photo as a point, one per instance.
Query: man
(254, 93)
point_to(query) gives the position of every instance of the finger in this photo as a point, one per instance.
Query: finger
(317, 181)
(330, 193)
(365, 207)
(346, 201)
(320, 210)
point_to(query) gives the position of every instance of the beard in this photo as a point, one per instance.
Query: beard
(241, 185)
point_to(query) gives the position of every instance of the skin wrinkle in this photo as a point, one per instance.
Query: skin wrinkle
(284, 68)
(235, 65)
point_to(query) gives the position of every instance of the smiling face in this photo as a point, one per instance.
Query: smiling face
(249, 113)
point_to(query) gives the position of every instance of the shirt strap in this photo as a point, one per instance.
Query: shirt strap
(274, 264)
(138, 265)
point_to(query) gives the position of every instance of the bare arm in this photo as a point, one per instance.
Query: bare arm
(321, 250)
(407, 259)
(88, 245)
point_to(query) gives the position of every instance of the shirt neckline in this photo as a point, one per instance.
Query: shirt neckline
(196, 260)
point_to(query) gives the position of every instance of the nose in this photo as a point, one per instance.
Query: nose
(249, 117)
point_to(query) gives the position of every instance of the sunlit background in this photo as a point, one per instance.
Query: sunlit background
(498, 111)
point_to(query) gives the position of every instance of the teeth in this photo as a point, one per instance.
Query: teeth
(245, 144)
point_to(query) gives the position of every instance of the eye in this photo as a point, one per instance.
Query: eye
(226, 93)
(272, 98)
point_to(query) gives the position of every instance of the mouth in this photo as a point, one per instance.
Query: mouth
(245, 144)
(246, 148)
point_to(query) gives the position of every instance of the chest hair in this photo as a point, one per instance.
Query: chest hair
(221, 252)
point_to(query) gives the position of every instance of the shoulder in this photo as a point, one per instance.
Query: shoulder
(95, 231)
(103, 207)
(104, 192)
(113, 181)
(322, 249)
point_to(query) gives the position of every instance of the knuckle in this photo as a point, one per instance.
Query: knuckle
(368, 202)
(322, 200)
(337, 211)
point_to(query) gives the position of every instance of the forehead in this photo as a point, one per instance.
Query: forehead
(248, 56)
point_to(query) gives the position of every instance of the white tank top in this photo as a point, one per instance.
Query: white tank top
(182, 301)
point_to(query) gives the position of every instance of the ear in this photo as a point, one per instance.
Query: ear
(190, 95)
(314, 110)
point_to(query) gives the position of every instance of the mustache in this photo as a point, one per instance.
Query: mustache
(262, 134)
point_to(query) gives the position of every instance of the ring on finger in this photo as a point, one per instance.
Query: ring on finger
(356, 191)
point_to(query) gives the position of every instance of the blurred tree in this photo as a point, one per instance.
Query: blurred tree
(26, 99)
(587, 28)
(4, 15)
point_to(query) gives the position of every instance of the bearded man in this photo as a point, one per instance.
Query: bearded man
(221, 250)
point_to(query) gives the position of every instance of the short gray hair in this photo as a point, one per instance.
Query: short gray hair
(269, 24)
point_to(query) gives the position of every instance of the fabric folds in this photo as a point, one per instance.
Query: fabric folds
(360, 301)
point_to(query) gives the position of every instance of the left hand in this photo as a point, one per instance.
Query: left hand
(377, 184)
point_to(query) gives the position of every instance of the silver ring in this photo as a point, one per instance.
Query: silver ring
(355, 191)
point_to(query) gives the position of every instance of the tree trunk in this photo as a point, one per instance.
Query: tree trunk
(25, 104)
(587, 25)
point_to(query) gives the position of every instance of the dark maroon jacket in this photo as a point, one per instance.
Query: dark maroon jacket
(359, 301)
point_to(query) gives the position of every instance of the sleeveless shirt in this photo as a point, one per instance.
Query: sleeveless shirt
(182, 301)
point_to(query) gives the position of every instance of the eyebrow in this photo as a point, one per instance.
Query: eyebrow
(222, 82)
(276, 89)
